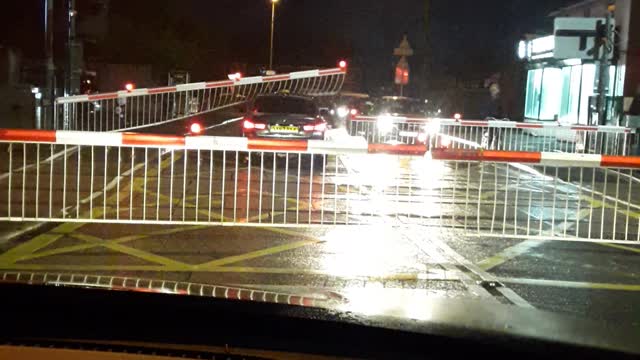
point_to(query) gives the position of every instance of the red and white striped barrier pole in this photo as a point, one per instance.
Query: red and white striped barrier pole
(498, 124)
(539, 158)
(202, 85)
(352, 146)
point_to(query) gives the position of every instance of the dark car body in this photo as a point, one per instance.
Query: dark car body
(284, 117)
(403, 106)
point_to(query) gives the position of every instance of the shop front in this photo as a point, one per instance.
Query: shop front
(563, 89)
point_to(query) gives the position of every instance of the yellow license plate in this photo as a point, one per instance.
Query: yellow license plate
(284, 129)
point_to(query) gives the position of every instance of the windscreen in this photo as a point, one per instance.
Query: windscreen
(285, 105)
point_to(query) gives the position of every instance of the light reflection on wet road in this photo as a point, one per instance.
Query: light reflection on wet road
(403, 257)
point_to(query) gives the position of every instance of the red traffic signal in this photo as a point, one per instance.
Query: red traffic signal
(342, 64)
(195, 128)
(129, 86)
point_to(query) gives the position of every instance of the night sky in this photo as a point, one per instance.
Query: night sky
(467, 36)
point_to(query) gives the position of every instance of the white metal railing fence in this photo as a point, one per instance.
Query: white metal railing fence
(127, 110)
(151, 179)
(495, 135)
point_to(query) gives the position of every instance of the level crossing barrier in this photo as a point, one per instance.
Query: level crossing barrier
(494, 134)
(159, 179)
(139, 108)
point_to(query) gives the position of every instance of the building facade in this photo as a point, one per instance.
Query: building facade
(562, 89)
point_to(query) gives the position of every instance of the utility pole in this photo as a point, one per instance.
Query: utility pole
(427, 71)
(273, 26)
(72, 66)
(50, 92)
(606, 47)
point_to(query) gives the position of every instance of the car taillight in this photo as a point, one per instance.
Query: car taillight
(248, 124)
(320, 127)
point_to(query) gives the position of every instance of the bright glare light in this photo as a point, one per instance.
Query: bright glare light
(129, 87)
(543, 44)
(38, 96)
(445, 142)
(354, 112)
(35, 90)
(572, 62)
(385, 124)
(235, 77)
(432, 127)
(343, 111)
(195, 128)
(457, 116)
(422, 137)
(248, 125)
(411, 134)
(342, 64)
(522, 49)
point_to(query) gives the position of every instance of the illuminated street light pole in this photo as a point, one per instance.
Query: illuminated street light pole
(273, 23)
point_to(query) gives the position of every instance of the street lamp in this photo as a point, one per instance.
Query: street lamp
(273, 22)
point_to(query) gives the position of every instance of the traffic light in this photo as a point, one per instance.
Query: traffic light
(129, 87)
(600, 42)
(195, 128)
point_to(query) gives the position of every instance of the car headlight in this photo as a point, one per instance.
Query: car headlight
(445, 142)
(432, 127)
(384, 124)
(343, 111)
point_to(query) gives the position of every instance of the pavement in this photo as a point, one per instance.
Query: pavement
(391, 252)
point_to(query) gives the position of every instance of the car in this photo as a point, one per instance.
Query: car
(348, 104)
(284, 117)
(403, 106)
(392, 128)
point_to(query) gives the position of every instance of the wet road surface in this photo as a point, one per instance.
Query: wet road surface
(400, 253)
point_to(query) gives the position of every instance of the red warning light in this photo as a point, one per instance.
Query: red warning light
(195, 128)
